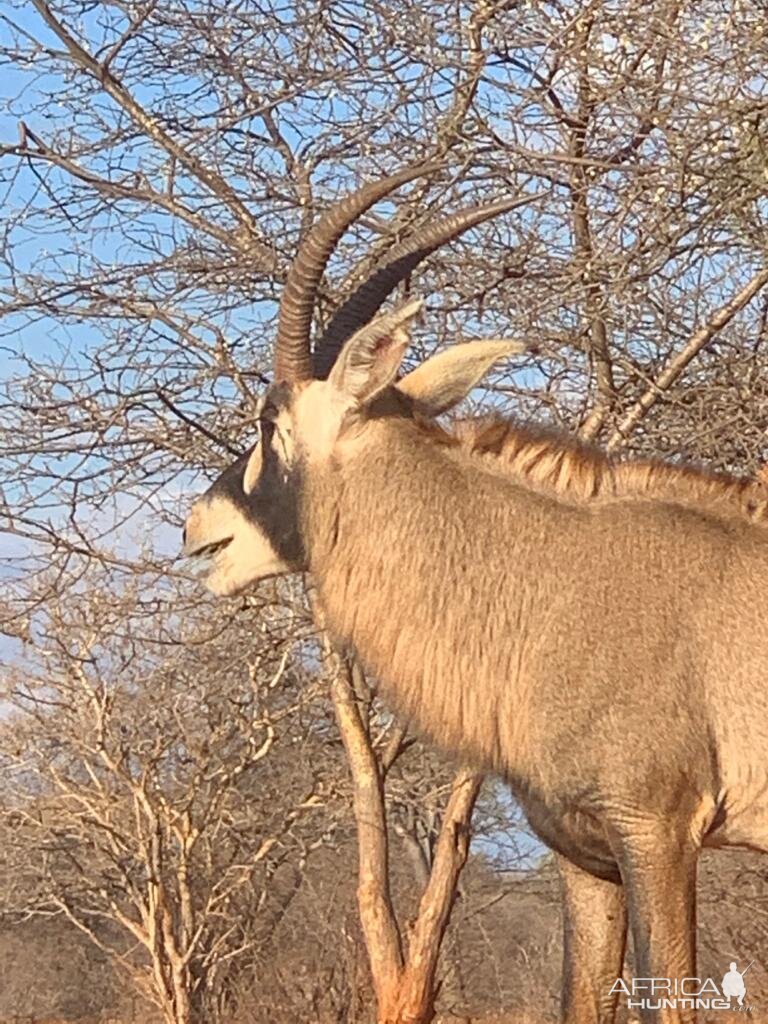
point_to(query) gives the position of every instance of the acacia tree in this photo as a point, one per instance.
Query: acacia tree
(155, 203)
(153, 793)
(403, 967)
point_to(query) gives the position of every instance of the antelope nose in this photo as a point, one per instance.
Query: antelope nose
(184, 536)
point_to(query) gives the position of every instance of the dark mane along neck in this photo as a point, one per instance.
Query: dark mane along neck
(578, 471)
(542, 455)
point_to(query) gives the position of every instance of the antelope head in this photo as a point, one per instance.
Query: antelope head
(324, 403)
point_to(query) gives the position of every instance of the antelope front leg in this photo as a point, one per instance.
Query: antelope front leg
(659, 873)
(595, 929)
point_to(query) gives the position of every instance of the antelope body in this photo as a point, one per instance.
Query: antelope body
(607, 658)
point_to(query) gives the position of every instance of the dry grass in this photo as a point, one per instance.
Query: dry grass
(513, 1017)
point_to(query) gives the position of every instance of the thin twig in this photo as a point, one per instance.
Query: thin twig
(197, 426)
(680, 361)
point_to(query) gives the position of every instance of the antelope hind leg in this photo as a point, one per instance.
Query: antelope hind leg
(595, 928)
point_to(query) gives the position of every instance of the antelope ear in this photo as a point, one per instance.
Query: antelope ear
(369, 361)
(445, 379)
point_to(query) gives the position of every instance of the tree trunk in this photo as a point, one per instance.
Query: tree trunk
(404, 983)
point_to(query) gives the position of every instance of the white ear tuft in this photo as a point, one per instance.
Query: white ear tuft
(369, 361)
(445, 379)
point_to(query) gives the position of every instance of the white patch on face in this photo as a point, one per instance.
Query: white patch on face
(253, 469)
(248, 559)
(318, 414)
(245, 559)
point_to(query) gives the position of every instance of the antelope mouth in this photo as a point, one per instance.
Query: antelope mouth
(209, 550)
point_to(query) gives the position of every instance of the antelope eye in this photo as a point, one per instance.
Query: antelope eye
(266, 431)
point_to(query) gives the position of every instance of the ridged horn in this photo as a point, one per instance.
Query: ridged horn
(398, 263)
(293, 360)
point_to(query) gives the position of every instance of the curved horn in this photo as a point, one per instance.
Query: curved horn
(292, 348)
(398, 263)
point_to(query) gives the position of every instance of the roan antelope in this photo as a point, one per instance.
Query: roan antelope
(606, 657)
